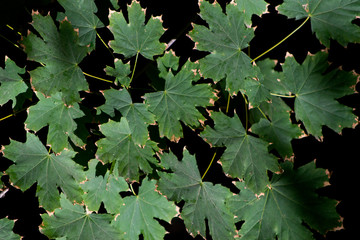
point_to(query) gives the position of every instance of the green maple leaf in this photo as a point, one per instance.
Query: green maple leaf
(316, 93)
(256, 91)
(272, 80)
(120, 72)
(60, 53)
(6, 229)
(203, 199)
(33, 164)
(137, 114)
(178, 101)
(11, 82)
(120, 148)
(103, 189)
(73, 222)
(278, 129)
(81, 15)
(138, 213)
(136, 37)
(329, 19)
(250, 7)
(245, 156)
(226, 36)
(289, 201)
(167, 62)
(53, 112)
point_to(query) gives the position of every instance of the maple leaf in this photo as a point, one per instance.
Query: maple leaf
(186, 184)
(136, 37)
(178, 101)
(6, 229)
(226, 36)
(137, 114)
(81, 15)
(104, 189)
(138, 213)
(11, 82)
(73, 222)
(316, 93)
(245, 156)
(33, 164)
(281, 210)
(272, 80)
(120, 72)
(53, 112)
(278, 129)
(166, 63)
(60, 53)
(120, 148)
(329, 19)
(250, 7)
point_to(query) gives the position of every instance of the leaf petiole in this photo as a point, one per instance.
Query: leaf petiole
(209, 166)
(133, 71)
(302, 24)
(102, 79)
(132, 189)
(103, 42)
(284, 96)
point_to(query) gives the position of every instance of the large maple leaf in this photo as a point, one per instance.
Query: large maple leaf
(178, 101)
(136, 37)
(185, 183)
(34, 164)
(138, 213)
(316, 93)
(329, 19)
(120, 148)
(226, 36)
(74, 223)
(289, 200)
(60, 53)
(53, 112)
(245, 156)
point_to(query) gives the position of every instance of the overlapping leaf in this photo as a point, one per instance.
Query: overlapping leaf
(104, 189)
(186, 184)
(53, 112)
(73, 222)
(11, 82)
(178, 101)
(316, 93)
(226, 36)
(289, 200)
(245, 156)
(120, 72)
(120, 149)
(34, 164)
(60, 53)
(137, 114)
(81, 15)
(136, 36)
(278, 129)
(329, 19)
(138, 213)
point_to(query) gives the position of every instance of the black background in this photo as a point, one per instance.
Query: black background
(339, 153)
